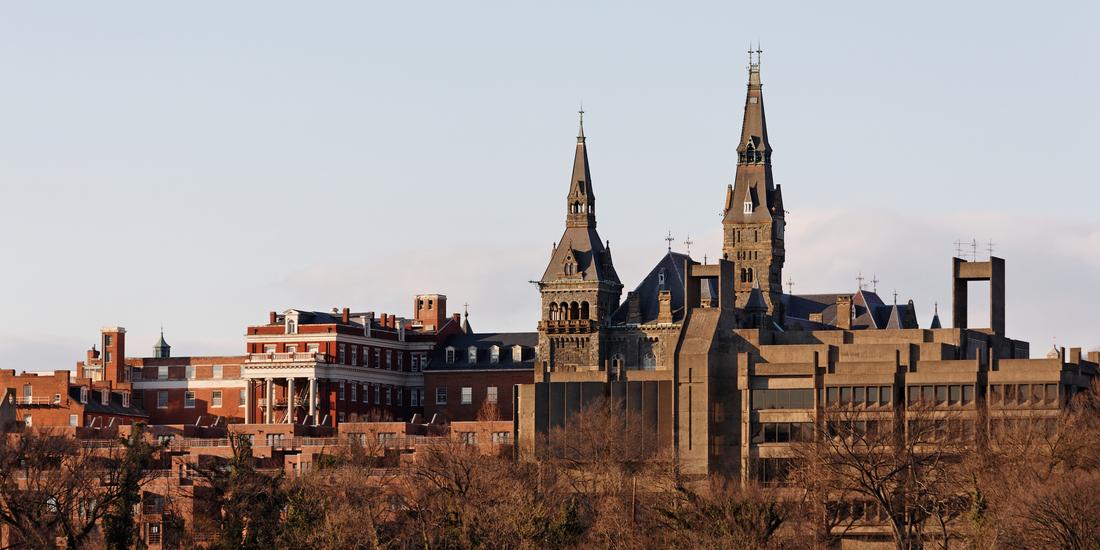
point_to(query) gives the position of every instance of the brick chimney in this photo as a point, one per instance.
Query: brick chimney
(345, 316)
(844, 312)
(272, 318)
(664, 307)
(633, 308)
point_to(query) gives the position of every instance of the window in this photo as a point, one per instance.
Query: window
(389, 355)
(106, 357)
(269, 348)
(517, 354)
(340, 391)
(354, 389)
(1052, 394)
(386, 437)
(292, 348)
(162, 373)
(414, 397)
(28, 395)
(467, 395)
(242, 398)
(377, 358)
(291, 327)
(190, 372)
(274, 440)
(313, 348)
(995, 394)
(400, 360)
(832, 396)
(28, 421)
(471, 355)
(217, 371)
(845, 395)
(107, 340)
(354, 355)
(340, 349)
(189, 399)
(162, 399)
(366, 392)
(785, 398)
(469, 438)
(377, 394)
(83, 394)
(216, 398)
(73, 420)
(414, 362)
(491, 394)
(389, 396)
(138, 398)
(501, 438)
(967, 394)
(954, 395)
(494, 355)
(450, 355)
(441, 396)
(400, 396)
(125, 399)
(748, 207)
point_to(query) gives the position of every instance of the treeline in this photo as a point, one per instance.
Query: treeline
(922, 483)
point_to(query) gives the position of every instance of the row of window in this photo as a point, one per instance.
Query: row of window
(162, 373)
(1010, 395)
(353, 392)
(781, 432)
(472, 354)
(189, 399)
(28, 420)
(802, 398)
(466, 395)
(954, 394)
(859, 396)
(497, 438)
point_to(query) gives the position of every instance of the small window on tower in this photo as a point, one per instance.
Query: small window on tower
(754, 100)
(748, 207)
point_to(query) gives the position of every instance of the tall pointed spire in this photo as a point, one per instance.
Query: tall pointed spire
(581, 202)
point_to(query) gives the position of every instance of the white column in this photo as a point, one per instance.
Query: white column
(289, 400)
(248, 402)
(270, 399)
(313, 400)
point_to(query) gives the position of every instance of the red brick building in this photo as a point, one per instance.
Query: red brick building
(57, 400)
(471, 372)
(341, 366)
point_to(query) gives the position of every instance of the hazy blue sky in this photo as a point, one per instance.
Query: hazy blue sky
(198, 164)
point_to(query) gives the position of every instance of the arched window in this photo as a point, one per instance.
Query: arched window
(494, 354)
(563, 312)
(750, 275)
(617, 363)
(649, 361)
(584, 310)
(553, 312)
(574, 311)
(743, 275)
(291, 327)
(471, 355)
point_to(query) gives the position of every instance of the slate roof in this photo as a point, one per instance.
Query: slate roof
(870, 311)
(114, 406)
(671, 266)
(484, 342)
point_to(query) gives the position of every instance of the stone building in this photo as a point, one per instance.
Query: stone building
(727, 369)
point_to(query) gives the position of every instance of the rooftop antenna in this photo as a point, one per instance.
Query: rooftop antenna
(958, 248)
(989, 247)
(790, 285)
(687, 243)
(669, 238)
(974, 249)
(874, 283)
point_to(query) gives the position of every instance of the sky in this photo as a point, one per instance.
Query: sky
(194, 165)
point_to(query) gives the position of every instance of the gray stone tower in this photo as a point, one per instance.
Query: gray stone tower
(579, 288)
(753, 221)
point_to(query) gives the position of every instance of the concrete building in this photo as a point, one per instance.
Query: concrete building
(728, 370)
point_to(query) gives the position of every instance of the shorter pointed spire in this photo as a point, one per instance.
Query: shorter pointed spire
(580, 131)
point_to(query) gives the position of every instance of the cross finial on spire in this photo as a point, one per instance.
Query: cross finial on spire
(580, 113)
(874, 283)
(790, 285)
(669, 238)
(687, 244)
(859, 279)
(895, 297)
(466, 309)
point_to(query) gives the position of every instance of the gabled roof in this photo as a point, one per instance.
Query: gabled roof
(670, 268)
(593, 260)
(114, 406)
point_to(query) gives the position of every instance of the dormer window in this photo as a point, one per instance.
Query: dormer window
(517, 354)
(450, 355)
(494, 354)
(83, 394)
(291, 327)
(471, 355)
(105, 397)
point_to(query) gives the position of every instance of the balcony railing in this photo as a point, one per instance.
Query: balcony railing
(568, 325)
(26, 401)
(300, 356)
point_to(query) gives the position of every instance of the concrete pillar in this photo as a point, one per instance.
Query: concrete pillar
(289, 400)
(313, 400)
(270, 400)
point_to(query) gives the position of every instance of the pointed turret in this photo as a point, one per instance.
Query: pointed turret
(581, 201)
(466, 321)
(936, 317)
(161, 349)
